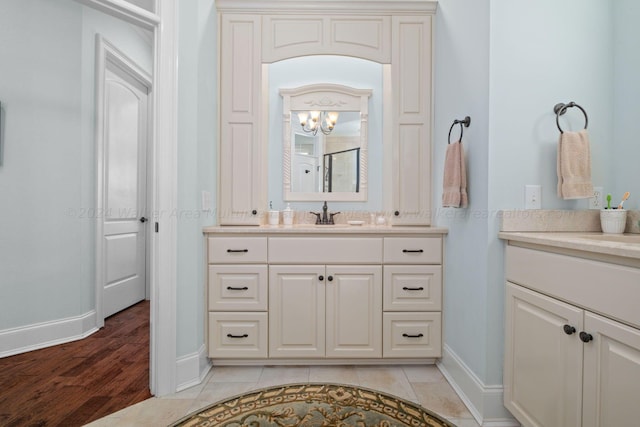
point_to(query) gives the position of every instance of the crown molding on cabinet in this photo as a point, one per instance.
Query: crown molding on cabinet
(369, 7)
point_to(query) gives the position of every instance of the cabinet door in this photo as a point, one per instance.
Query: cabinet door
(543, 364)
(411, 109)
(242, 169)
(296, 311)
(611, 373)
(354, 311)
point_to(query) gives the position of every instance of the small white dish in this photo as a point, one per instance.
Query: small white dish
(353, 222)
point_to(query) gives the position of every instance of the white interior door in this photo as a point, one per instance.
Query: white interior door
(124, 213)
(305, 174)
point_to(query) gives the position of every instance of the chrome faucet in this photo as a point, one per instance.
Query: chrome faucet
(326, 218)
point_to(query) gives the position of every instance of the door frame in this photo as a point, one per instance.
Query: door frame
(106, 54)
(162, 191)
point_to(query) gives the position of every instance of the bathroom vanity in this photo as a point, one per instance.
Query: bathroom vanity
(394, 35)
(572, 328)
(324, 294)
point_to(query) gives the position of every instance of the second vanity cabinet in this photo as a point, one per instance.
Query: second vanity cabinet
(572, 340)
(284, 294)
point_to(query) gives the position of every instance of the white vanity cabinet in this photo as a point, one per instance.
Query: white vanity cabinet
(325, 311)
(283, 294)
(254, 34)
(411, 141)
(237, 280)
(572, 340)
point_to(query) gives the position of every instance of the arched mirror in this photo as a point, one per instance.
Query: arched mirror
(325, 136)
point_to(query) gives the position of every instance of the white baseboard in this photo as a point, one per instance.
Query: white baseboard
(192, 368)
(46, 334)
(483, 401)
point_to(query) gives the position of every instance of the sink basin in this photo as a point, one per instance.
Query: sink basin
(618, 238)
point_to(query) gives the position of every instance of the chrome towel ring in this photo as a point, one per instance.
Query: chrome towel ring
(465, 122)
(561, 108)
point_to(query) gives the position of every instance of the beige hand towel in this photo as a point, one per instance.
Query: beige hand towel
(454, 194)
(574, 166)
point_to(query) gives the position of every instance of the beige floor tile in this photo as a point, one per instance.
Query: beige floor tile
(155, 412)
(423, 374)
(464, 422)
(440, 398)
(235, 374)
(109, 421)
(388, 379)
(276, 375)
(333, 374)
(215, 392)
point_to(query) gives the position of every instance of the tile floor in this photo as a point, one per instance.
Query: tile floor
(422, 384)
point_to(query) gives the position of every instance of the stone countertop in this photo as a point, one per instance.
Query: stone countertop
(620, 245)
(329, 230)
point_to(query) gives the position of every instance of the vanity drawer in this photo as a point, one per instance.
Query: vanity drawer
(238, 335)
(412, 288)
(324, 250)
(238, 287)
(412, 335)
(413, 250)
(226, 250)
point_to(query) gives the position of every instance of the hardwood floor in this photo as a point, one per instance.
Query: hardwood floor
(75, 383)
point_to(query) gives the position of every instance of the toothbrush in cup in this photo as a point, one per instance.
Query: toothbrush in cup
(625, 196)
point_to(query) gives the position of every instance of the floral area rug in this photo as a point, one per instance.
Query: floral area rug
(314, 405)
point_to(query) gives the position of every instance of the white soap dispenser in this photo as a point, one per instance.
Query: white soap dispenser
(287, 215)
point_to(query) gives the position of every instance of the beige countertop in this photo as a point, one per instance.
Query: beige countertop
(325, 229)
(619, 245)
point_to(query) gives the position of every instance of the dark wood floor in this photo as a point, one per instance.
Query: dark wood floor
(76, 383)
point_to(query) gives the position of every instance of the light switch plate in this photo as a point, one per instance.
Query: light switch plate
(532, 197)
(206, 201)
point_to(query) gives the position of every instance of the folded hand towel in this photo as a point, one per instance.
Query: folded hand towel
(454, 184)
(574, 166)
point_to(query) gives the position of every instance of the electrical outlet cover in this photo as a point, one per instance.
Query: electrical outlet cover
(597, 201)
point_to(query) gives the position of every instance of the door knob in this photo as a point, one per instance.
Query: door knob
(330, 278)
(568, 329)
(321, 278)
(143, 219)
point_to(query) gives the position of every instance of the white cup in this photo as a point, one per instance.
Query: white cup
(274, 217)
(613, 221)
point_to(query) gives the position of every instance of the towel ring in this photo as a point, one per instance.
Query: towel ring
(561, 108)
(465, 122)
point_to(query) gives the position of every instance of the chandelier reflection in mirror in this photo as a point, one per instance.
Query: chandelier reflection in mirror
(311, 121)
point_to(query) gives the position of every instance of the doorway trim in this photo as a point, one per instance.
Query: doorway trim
(162, 189)
(107, 53)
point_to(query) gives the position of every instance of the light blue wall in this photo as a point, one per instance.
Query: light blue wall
(47, 170)
(197, 112)
(461, 89)
(348, 71)
(625, 143)
(506, 64)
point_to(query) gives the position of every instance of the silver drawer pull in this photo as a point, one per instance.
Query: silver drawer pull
(237, 250)
(404, 288)
(412, 251)
(412, 336)
(231, 288)
(237, 336)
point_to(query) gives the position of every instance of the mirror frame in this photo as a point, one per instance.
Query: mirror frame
(324, 96)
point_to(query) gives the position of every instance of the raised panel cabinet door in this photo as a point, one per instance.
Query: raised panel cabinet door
(242, 169)
(296, 311)
(354, 311)
(543, 359)
(411, 109)
(611, 373)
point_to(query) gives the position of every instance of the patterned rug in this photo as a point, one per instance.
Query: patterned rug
(318, 405)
